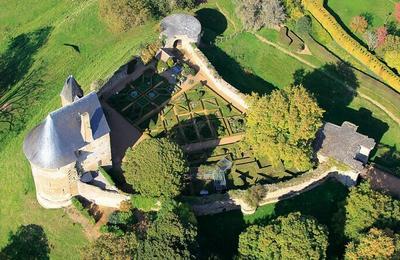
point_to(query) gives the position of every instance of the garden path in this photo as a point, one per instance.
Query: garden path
(212, 143)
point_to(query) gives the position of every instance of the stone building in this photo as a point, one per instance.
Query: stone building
(180, 29)
(71, 143)
(345, 145)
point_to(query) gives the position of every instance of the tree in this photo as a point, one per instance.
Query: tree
(294, 9)
(376, 244)
(371, 39)
(256, 14)
(172, 235)
(393, 59)
(359, 24)
(109, 246)
(381, 34)
(288, 237)
(397, 12)
(122, 15)
(365, 208)
(282, 126)
(28, 242)
(155, 167)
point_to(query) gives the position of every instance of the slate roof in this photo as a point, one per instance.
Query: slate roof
(181, 24)
(53, 143)
(71, 90)
(343, 143)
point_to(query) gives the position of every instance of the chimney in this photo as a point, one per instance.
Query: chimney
(86, 130)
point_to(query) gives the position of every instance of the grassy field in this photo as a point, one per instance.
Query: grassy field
(36, 92)
(219, 233)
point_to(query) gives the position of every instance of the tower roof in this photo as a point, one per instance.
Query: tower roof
(71, 89)
(181, 24)
(54, 143)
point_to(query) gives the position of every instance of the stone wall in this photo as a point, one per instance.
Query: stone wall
(107, 198)
(276, 192)
(219, 85)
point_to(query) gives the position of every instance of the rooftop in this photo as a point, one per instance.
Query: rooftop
(181, 24)
(53, 143)
(71, 90)
(344, 144)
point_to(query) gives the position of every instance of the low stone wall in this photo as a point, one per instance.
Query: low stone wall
(220, 86)
(276, 192)
(107, 198)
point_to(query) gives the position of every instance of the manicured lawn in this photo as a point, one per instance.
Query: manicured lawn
(219, 233)
(48, 65)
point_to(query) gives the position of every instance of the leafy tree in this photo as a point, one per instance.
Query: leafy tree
(376, 244)
(359, 24)
(28, 242)
(365, 208)
(161, 8)
(393, 59)
(110, 246)
(381, 34)
(155, 167)
(289, 237)
(294, 9)
(172, 235)
(392, 43)
(282, 126)
(397, 12)
(304, 25)
(256, 14)
(122, 15)
(371, 39)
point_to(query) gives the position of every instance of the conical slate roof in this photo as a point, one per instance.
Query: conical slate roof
(54, 142)
(181, 24)
(71, 90)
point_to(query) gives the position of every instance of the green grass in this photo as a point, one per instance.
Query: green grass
(101, 53)
(219, 233)
(380, 11)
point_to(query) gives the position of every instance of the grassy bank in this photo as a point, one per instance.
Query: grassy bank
(35, 92)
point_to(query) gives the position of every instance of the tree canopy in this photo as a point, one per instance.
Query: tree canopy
(155, 167)
(282, 126)
(365, 208)
(288, 237)
(376, 244)
(256, 14)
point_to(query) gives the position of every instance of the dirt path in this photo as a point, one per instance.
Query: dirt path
(89, 229)
(376, 103)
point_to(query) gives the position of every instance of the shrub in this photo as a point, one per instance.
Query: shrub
(149, 51)
(304, 25)
(144, 203)
(161, 66)
(84, 211)
(122, 15)
(359, 24)
(170, 63)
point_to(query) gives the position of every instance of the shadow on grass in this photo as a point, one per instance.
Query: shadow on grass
(334, 98)
(227, 67)
(28, 242)
(219, 234)
(18, 57)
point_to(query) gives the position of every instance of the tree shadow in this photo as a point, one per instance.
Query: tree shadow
(28, 242)
(334, 87)
(218, 235)
(18, 57)
(389, 157)
(214, 24)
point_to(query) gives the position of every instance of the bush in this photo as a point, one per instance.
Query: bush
(304, 25)
(144, 203)
(122, 15)
(84, 211)
(149, 51)
(161, 66)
